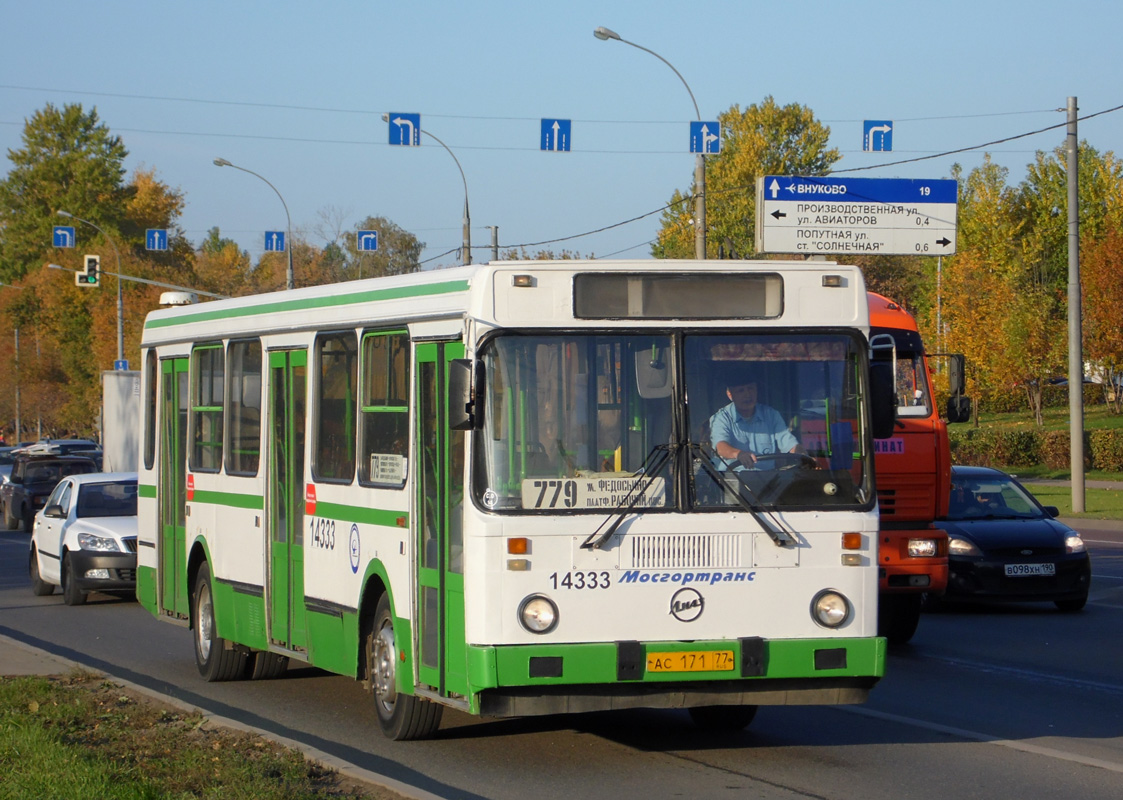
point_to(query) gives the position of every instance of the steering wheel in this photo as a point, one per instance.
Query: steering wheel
(781, 461)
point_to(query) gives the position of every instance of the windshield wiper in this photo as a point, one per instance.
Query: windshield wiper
(781, 537)
(659, 456)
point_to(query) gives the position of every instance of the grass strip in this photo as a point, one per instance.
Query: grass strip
(81, 736)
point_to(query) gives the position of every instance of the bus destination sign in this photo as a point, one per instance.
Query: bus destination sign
(855, 216)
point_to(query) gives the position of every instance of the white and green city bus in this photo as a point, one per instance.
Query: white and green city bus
(494, 488)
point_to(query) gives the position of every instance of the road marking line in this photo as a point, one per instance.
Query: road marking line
(986, 738)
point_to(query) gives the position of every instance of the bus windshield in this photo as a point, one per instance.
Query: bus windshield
(601, 422)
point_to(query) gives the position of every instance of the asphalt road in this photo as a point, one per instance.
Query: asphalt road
(1018, 701)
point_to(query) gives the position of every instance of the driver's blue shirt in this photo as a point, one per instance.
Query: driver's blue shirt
(765, 433)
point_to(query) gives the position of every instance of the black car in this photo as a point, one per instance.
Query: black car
(1003, 545)
(33, 478)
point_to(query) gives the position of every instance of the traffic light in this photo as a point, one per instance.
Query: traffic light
(92, 274)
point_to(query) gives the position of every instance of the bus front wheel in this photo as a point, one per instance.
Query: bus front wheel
(215, 660)
(401, 716)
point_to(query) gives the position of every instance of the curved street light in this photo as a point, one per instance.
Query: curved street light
(605, 34)
(466, 246)
(289, 279)
(120, 299)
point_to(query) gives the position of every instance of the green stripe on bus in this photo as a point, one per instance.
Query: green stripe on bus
(308, 303)
(251, 501)
(367, 516)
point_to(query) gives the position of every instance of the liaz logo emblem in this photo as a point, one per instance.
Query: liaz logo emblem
(687, 605)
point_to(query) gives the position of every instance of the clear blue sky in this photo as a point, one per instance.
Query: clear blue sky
(294, 91)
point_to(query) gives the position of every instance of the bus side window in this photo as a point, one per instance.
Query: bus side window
(334, 446)
(384, 408)
(206, 408)
(243, 399)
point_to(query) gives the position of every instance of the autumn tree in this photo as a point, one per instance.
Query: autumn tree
(70, 161)
(765, 139)
(1100, 273)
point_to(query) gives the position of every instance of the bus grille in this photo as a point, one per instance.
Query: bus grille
(687, 551)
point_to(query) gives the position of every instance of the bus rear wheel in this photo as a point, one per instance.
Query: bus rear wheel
(402, 717)
(723, 718)
(215, 660)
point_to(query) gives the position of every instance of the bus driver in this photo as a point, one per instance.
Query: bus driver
(745, 429)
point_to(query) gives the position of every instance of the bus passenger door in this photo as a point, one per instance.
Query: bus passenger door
(172, 489)
(439, 475)
(285, 496)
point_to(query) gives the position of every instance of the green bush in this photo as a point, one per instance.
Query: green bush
(1103, 448)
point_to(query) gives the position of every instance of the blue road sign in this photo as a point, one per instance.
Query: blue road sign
(121, 366)
(275, 241)
(63, 236)
(705, 137)
(367, 241)
(405, 129)
(156, 239)
(555, 135)
(860, 190)
(877, 135)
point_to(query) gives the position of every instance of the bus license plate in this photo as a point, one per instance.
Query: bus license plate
(691, 661)
(1020, 570)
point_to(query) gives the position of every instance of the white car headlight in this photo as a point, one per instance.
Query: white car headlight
(962, 547)
(1074, 544)
(830, 608)
(538, 614)
(87, 541)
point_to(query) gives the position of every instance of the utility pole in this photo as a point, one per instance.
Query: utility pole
(494, 242)
(1075, 349)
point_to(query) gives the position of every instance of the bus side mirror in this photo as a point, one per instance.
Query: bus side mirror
(461, 398)
(883, 399)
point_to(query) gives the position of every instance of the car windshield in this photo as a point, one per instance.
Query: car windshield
(116, 499)
(990, 497)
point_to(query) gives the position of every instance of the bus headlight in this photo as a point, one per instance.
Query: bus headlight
(830, 609)
(538, 614)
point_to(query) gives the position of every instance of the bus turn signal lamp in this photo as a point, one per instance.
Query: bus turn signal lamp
(518, 546)
(851, 541)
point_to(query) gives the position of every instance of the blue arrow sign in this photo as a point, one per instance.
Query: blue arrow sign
(121, 366)
(860, 190)
(275, 241)
(705, 137)
(877, 135)
(156, 239)
(367, 241)
(63, 236)
(555, 135)
(405, 129)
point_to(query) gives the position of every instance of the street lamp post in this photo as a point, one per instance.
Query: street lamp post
(120, 299)
(466, 245)
(290, 282)
(604, 34)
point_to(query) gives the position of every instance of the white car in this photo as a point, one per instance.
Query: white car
(84, 539)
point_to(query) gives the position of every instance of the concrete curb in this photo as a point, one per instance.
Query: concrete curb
(19, 658)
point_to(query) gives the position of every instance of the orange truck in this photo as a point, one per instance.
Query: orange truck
(913, 469)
